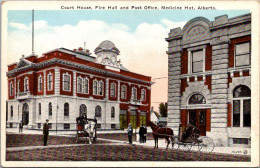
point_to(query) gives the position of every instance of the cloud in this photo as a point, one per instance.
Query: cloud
(19, 26)
(170, 24)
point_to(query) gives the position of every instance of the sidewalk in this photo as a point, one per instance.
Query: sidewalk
(149, 143)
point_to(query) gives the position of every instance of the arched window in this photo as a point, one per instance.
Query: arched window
(98, 111)
(113, 112)
(123, 91)
(242, 106)
(66, 109)
(40, 109)
(241, 91)
(50, 109)
(113, 90)
(83, 109)
(197, 99)
(134, 93)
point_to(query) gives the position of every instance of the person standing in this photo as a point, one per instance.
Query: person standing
(145, 134)
(45, 132)
(21, 127)
(141, 133)
(130, 133)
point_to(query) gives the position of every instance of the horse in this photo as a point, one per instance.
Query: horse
(159, 132)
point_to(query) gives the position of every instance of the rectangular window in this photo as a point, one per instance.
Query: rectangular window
(40, 84)
(236, 113)
(113, 126)
(86, 86)
(50, 125)
(100, 88)
(123, 92)
(98, 125)
(66, 82)
(247, 113)
(242, 53)
(143, 95)
(95, 88)
(66, 126)
(112, 90)
(79, 85)
(26, 83)
(40, 109)
(240, 141)
(18, 87)
(50, 81)
(11, 88)
(197, 61)
(134, 93)
(39, 125)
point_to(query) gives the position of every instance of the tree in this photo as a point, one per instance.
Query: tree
(163, 109)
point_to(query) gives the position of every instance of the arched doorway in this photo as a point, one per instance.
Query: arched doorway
(197, 117)
(25, 116)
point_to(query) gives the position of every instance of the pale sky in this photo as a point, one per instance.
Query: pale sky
(139, 35)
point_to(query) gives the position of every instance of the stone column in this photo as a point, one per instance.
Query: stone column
(174, 85)
(220, 52)
(174, 82)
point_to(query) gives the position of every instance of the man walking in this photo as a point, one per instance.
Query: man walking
(21, 127)
(46, 132)
(130, 133)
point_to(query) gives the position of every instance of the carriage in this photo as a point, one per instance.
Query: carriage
(189, 139)
(86, 129)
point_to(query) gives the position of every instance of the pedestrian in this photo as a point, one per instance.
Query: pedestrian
(130, 133)
(145, 134)
(141, 134)
(21, 127)
(45, 132)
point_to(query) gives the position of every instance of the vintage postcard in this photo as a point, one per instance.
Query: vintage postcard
(117, 83)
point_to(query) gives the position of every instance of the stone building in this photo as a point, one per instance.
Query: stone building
(62, 84)
(209, 78)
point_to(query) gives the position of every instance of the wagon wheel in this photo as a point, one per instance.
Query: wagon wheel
(175, 142)
(206, 145)
(195, 144)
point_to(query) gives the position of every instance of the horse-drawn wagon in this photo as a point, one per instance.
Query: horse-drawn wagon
(188, 139)
(86, 129)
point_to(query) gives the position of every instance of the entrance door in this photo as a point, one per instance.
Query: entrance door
(25, 116)
(198, 119)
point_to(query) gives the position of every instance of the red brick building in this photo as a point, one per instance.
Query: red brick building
(62, 84)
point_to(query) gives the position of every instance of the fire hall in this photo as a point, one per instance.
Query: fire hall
(210, 78)
(62, 84)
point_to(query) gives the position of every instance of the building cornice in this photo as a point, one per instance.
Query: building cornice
(74, 65)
